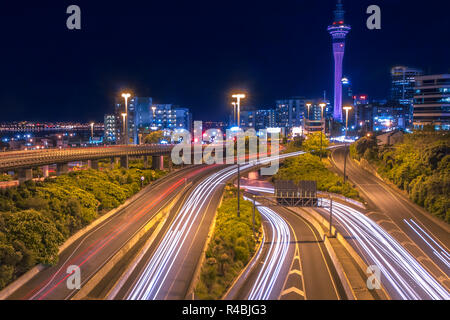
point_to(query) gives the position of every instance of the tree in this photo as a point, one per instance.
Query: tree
(154, 137)
(313, 143)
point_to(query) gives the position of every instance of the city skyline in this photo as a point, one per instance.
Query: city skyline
(252, 62)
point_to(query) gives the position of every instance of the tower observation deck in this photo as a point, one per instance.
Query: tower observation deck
(338, 31)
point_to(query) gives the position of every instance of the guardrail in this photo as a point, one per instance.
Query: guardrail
(34, 158)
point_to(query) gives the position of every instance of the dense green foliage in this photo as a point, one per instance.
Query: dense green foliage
(420, 165)
(5, 177)
(316, 143)
(154, 137)
(231, 247)
(309, 167)
(37, 217)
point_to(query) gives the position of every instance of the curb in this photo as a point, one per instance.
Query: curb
(196, 277)
(315, 218)
(337, 264)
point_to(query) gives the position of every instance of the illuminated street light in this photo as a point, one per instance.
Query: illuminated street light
(92, 132)
(238, 97)
(234, 112)
(154, 110)
(124, 115)
(308, 105)
(322, 105)
(347, 109)
(126, 96)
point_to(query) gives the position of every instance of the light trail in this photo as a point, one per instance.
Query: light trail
(403, 272)
(442, 255)
(407, 278)
(279, 246)
(154, 276)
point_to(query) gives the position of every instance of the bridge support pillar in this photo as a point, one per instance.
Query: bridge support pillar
(25, 175)
(124, 162)
(145, 162)
(45, 171)
(93, 164)
(62, 168)
(158, 162)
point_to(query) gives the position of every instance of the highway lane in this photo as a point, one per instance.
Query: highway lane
(294, 262)
(91, 251)
(167, 271)
(425, 238)
(401, 274)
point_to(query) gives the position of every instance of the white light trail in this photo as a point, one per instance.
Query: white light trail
(154, 276)
(279, 247)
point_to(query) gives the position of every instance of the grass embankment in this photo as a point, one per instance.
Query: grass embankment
(419, 165)
(309, 167)
(37, 217)
(231, 247)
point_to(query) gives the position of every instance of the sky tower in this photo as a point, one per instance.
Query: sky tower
(338, 31)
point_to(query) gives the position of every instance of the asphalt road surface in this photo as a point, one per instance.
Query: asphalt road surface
(425, 238)
(96, 247)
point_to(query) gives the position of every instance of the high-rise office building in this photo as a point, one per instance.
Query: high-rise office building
(403, 81)
(110, 128)
(432, 101)
(265, 118)
(170, 117)
(338, 31)
(290, 113)
(143, 115)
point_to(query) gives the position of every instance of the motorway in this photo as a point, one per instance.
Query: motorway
(294, 263)
(167, 269)
(424, 237)
(96, 247)
(401, 274)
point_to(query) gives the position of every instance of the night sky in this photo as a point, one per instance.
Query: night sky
(195, 53)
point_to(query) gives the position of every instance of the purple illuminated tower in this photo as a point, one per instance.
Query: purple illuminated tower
(338, 31)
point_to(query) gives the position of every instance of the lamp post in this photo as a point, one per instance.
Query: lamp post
(126, 96)
(92, 132)
(238, 97)
(124, 116)
(234, 112)
(322, 105)
(308, 105)
(347, 109)
(154, 115)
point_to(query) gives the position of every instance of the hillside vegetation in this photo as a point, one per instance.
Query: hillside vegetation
(309, 167)
(420, 165)
(37, 217)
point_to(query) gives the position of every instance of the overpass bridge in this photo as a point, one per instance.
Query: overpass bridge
(24, 161)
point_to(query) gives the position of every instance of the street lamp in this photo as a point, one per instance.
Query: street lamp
(347, 109)
(238, 97)
(154, 110)
(124, 116)
(126, 96)
(92, 132)
(322, 105)
(234, 112)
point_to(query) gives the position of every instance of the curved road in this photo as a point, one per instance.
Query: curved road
(426, 238)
